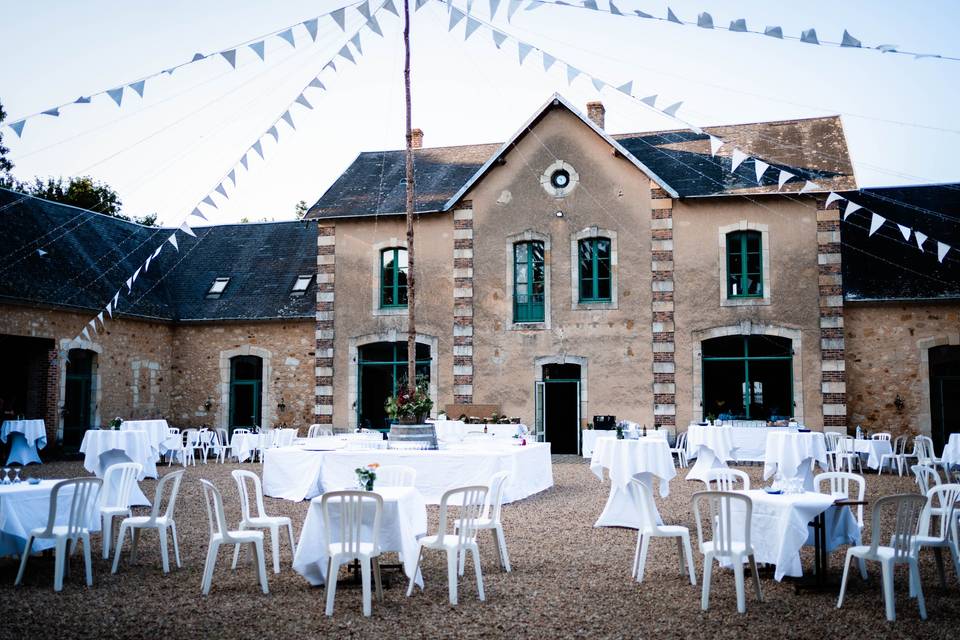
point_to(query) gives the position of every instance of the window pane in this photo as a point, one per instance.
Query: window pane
(736, 264)
(537, 249)
(753, 263)
(402, 258)
(603, 248)
(753, 285)
(586, 288)
(586, 259)
(603, 289)
(520, 252)
(402, 295)
(386, 296)
(753, 241)
(521, 274)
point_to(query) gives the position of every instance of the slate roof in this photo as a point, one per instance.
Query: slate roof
(87, 261)
(812, 148)
(884, 266)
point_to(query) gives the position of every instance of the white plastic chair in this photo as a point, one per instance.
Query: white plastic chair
(896, 456)
(727, 542)
(680, 450)
(177, 449)
(903, 549)
(168, 487)
(318, 430)
(882, 435)
(727, 480)
(923, 448)
(352, 510)
(396, 475)
(469, 501)
(283, 437)
(927, 477)
(220, 534)
(838, 485)
(650, 529)
(261, 520)
(222, 444)
(191, 444)
(233, 439)
(82, 510)
(846, 454)
(940, 516)
(490, 518)
(118, 481)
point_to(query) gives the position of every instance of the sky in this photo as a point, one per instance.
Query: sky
(165, 152)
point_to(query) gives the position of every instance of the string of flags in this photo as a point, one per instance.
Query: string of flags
(739, 25)
(97, 324)
(257, 46)
(670, 109)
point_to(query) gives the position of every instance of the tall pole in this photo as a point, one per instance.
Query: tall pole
(411, 272)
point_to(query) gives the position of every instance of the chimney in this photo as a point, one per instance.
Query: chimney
(596, 112)
(416, 138)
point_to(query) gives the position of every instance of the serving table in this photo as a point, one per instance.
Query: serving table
(623, 459)
(26, 437)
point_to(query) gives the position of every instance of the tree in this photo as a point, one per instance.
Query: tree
(83, 192)
(411, 275)
(5, 165)
(301, 209)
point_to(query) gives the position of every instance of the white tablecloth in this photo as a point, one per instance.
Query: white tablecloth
(404, 519)
(244, 444)
(711, 446)
(157, 432)
(748, 443)
(102, 448)
(26, 437)
(456, 430)
(292, 473)
(780, 527)
(951, 450)
(874, 449)
(622, 459)
(588, 443)
(790, 454)
(26, 506)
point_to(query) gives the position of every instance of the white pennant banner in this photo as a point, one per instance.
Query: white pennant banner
(876, 221)
(760, 167)
(920, 238)
(831, 198)
(784, 178)
(715, 144)
(905, 231)
(737, 159)
(942, 250)
(173, 240)
(851, 207)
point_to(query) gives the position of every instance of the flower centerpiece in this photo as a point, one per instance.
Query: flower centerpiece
(410, 408)
(366, 476)
(115, 423)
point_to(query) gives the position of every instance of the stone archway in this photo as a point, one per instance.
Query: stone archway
(924, 345)
(584, 376)
(97, 391)
(222, 415)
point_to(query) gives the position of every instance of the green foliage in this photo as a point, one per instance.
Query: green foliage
(5, 165)
(301, 209)
(410, 405)
(83, 192)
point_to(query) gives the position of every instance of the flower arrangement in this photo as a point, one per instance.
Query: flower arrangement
(366, 476)
(115, 423)
(408, 407)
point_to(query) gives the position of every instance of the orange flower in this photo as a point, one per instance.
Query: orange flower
(373, 465)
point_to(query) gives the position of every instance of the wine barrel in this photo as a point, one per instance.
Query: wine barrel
(414, 433)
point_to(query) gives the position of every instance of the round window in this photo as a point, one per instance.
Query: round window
(560, 179)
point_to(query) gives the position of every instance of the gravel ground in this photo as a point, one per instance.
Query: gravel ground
(568, 580)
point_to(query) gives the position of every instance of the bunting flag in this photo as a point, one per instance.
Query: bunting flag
(273, 132)
(512, 8)
(186, 229)
(548, 61)
(146, 265)
(340, 17)
(199, 214)
(942, 250)
(810, 186)
(392, 8)
(173, 240)
(287, 34)
(784, 177)
(116, 95)
(208, 200)
(231, 57)
(232, 176)
(494, 4)
(86, 334)
(831, 198)
(139, 87)
(256, 147)
(905, 231)
(737, 159)
(572, 73)
(498, 38)
(288, 118)
(302, 100)
(129, 284)
(876, 221)
(345, 53)
(920, 238)
(455, 17)
(672, 109)
(41, 252)
(109, 309)
(524, 50)
(472, 25)
(100, 318)
(626, 88)
(851, 207)
(258, 48)
(715, 144)
(650, 100)
(221, 190)
(355, 41)
(311, 27)
(760, 167)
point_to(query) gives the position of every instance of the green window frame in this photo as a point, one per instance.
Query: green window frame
(596, 275)
(393, 278)
(744, 264)
(529, 282)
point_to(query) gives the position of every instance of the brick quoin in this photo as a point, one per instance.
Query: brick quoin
(828, 293)
(659, 258)
(463, 220)
(323, 413)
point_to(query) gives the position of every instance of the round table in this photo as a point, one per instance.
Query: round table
(712, 446)
(25, 506)
(26, 437)
(792, 454)
(102, 448)
(157, 432)
(650, 457)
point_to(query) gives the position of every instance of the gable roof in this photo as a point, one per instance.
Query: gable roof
(90, 256)
(678, 160)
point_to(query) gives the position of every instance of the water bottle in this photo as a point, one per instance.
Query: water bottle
(859, 433)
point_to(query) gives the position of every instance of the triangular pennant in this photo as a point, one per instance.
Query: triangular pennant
(232, 176)
(572, 73)
(129, 285)
(374, 26)
(615, 10)
(389, 6)
(157, 251)
(355, 41)
(52, 112)
(809, 185)
(535, 4)
(199, 214)
(208, 200)
(273, 132)
(548, 61)
(469, 6)
(598, 84)
(146, 265)
(173, 240)
(739, 24)
(331, 64)
(302, 100)
(230, 56)
(784, 177)
(340, 17)
(221, 190)
(672, 109)
(86, 334)
(18, 127)
(93, 325)
(136, 274)
(942, 250)
(590, 4)
(760, 167)
(456, 15)
(244, 161)
(116, 297)
(920, 237)
(737, 159)
(316, 84)
(849, 40)
(256, 147)
(905, 231)
(876, 221)
(187, 230)
(705, 21)
(715, 144)
(288, 118)
(311, 27)
(82, 100)
(41, 252)
(494, 4)
(197, 56)
(831, 198)
(116, 94)
(258, 49)
(672, 17)
(626, 88)
(420, 3)
(851, 207)
(345, 53)
(498, 38)
(650, 100)
(773, 32)
(641, 14)
(512, 8)
(287, 34)
(100, 318)
(138, 86)
(809, 36)
(472, 25)
(109, 309)
(364, 9)
(523, 50)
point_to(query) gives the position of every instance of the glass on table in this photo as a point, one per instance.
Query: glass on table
(6, 472)
(16, 477)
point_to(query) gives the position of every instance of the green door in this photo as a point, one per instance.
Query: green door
(246, 381)
(78, 404)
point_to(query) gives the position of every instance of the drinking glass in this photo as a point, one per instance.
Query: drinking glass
(16, 478)
(6, 472)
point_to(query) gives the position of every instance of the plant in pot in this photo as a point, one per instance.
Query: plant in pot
(410, 408)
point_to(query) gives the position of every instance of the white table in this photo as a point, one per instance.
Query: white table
(779, 527)
(293, 473)
(792, 454)
(951, 450)
(457, 430)
(26, 506)
(26, 437)
(157, 432)
(622, 459)
(875, 449)
(749, 443)
(404, 519)
(102, 448)
(243, 445)
(588, 441)
(711, 446)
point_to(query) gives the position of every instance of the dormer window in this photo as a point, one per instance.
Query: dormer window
(300, 286)
(217, 288)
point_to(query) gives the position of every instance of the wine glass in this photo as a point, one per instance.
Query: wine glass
(16, 478)
(6, 472)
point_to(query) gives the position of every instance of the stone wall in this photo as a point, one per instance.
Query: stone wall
(886, 350)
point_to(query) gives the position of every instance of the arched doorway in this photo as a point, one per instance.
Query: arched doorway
(747, 377)
(246, 382)
(79, 403)
(944, 362)
(381, 370)
(558, 406)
